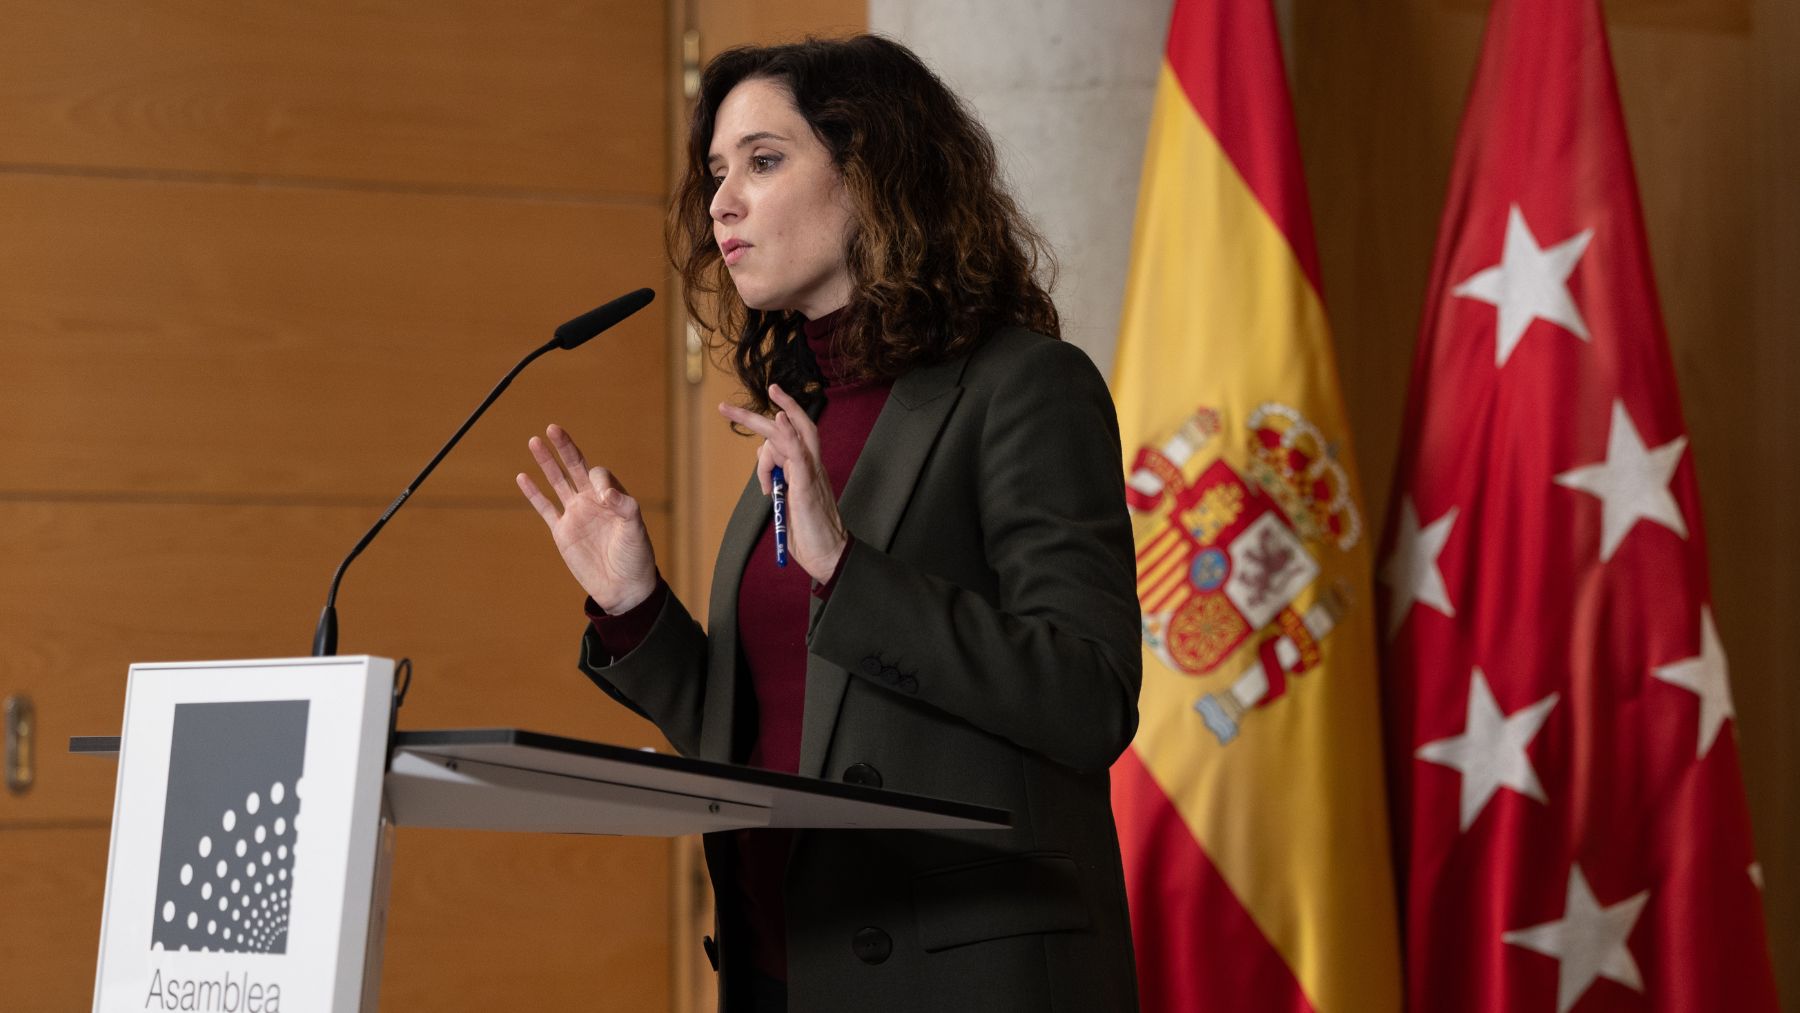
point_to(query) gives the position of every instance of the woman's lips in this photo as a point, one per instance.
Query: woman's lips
(733, 250)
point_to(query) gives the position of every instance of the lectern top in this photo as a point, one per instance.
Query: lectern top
(511, 779)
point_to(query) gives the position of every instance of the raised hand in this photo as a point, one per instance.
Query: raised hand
(816, 535)
(599, 530)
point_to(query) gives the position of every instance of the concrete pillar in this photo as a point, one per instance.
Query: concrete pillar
(1065, 88)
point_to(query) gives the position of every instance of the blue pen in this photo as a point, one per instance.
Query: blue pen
(778, 493)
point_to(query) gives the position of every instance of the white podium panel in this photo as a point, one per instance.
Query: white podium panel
(245, 827)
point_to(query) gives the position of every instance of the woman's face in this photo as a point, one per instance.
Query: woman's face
(780, 215)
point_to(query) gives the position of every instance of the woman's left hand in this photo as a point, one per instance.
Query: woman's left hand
(816, 535)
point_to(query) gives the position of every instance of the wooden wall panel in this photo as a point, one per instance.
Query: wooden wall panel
(477, 920)
(1378, 96)
(212, 340)
(727, 23)
(1704, 15)
(258, 261)
(520, 96)
(1710, 95)
(477, 597)
(481, 920)
(51, 883)
(1764, 566)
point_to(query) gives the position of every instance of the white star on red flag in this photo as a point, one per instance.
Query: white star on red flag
(1490, 752)
(1706, 677)
(1412, 571)
(1632, 483)
(1530, 283)
(1588, 941)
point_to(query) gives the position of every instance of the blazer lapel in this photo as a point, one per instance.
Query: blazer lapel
(874, 500)
(741, 532)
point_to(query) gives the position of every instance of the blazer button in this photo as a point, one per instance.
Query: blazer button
(871, 945)
(863, 774)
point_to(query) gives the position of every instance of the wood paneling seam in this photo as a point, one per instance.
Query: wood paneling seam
(327, 502)
(420, 188)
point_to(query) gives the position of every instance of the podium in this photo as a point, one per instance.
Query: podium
(508, 779)
(478, 779)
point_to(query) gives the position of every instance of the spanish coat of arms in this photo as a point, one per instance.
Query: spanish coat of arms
(1226, 556)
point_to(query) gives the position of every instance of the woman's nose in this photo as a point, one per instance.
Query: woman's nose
(725, 203)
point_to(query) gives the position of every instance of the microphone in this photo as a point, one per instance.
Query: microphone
(591, 323)
(570, 335)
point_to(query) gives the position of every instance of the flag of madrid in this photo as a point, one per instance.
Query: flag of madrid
(1570, 816)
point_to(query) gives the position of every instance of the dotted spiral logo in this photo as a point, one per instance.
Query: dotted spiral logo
(231, 827)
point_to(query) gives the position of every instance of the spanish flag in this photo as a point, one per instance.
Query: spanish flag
(1251, 806)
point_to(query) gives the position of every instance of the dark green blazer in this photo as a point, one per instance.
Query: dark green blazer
(981, 644)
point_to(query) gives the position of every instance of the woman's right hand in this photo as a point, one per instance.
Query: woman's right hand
(599, 531)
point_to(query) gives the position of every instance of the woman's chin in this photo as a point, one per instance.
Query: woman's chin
(762, 303)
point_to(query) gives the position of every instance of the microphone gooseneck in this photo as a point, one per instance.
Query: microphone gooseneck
(571, 334)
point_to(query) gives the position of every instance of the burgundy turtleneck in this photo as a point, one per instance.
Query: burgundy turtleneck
(774, 601)
(773, 607)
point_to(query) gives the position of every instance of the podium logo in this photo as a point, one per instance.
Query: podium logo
(230, 827)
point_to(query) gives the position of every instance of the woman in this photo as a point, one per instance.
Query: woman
(960, 617)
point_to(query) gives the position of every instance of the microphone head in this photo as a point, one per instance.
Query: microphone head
(598, 319)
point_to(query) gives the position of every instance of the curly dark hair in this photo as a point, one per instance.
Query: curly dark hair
(940, 255)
